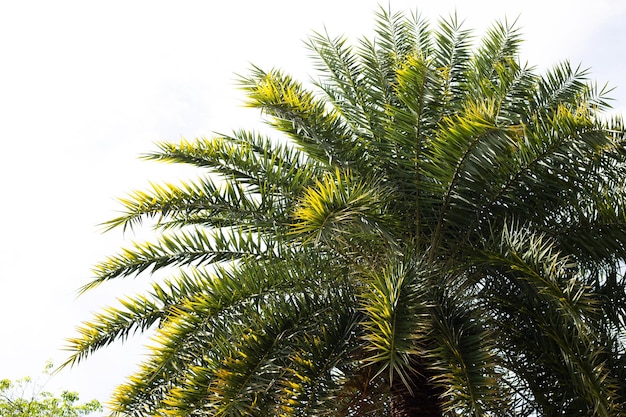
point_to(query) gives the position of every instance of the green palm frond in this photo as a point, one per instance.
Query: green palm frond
(499, 49)
(311, 385)
(395, 309)
(249, 158)
(192, 247)
(296, 112)
(244, 378)
(561, 85)
(400, 36)
(496, 74)
(339, 205)
(551, 275)
(561, 315)
(226, 293)
(136, 314)
(219, 205)
(451, 58)
(465, 361)
(344, 86)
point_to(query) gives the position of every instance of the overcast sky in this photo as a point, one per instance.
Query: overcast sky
(86, 86)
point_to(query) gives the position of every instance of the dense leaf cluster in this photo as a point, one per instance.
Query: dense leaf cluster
(25, 397)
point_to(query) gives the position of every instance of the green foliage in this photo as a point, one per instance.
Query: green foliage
(26, 398)
(439, 231)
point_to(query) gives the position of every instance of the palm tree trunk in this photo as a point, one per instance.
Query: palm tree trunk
(423, 401)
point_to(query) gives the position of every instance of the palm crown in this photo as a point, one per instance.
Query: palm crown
(439, 231)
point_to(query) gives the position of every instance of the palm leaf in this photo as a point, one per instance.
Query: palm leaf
(184, 248)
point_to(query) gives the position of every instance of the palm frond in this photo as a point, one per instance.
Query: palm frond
(344, 86)
(246, 157)
(465, 361)
(400, 36)
(245, 377)
(452, 59)
(499, 47)
(191, 247)
(561, 85)
(560, 314)
(464, 156)
(136, 314)
(311, 385)
(338, 206)
(306, 120)
(197, 323)
(396, 319)
(220, 205)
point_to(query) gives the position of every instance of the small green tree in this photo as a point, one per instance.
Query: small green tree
(25, 397)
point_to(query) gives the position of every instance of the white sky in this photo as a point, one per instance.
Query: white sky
(86, 86)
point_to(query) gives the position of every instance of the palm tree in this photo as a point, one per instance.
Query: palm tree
(438, 231)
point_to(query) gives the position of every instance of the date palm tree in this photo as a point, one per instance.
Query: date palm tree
(438, 230)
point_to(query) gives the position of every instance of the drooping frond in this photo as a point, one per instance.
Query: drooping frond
(464, 361)
(246, 157)
(226, 294)
(193, 247)
(216, 205)
(311, 385)
(546, 304)
(135, 314)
